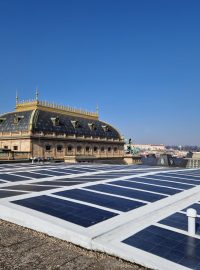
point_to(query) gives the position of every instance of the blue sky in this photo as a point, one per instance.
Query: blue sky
(138, 60)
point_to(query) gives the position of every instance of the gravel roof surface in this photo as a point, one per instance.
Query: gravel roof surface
(22, 248)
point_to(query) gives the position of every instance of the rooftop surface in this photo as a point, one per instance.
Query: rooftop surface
(22, 248)
(136, 213)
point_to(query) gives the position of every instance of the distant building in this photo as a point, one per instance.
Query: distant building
(46, 130)
(148, 147)
(193, 160)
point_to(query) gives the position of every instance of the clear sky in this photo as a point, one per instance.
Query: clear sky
(138, 60)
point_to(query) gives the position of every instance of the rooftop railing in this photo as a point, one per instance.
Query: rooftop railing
(55, 106)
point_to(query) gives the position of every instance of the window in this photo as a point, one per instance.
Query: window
(59, 148)
(48, 147)
(102, 149)
(92, 126)
(105, 128)
(5, 147)
(15, 147)
(109, 149)
(87, 149)
(69, 148)
(79, 148)
(2, 120)
(76, 124)
(95, 149)
(115, 149)
(17, 118)
(55, 121)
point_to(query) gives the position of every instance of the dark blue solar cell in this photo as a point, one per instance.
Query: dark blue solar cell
(146, 187)
(162, 183)
(82, 169)
(101, 199)
(195, 206)
(12, 178)
(68, 171)
(78, 179)
(8, 193)
(32, 175)
(179, 221)
(187, 177)
(192, 173)
(106, 176)
(135, 194)
(79, 214)
(167, 244)
(58, 183)
(28, 187)
(172, 179)
(50, 172)
(190, 261)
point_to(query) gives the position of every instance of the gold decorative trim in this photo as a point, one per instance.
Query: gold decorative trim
(51, 107)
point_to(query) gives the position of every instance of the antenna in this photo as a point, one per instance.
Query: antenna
(37, 94)
(97, 109)
(17, 98)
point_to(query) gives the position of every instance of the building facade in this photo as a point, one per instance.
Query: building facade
(150, 147)
(46, 130)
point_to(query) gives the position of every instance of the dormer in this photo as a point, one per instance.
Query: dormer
(76, 124)
(55, 121)
(2, 120)
(105, 128)
(92, 126)
(17, 118)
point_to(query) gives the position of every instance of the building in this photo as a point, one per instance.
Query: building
(144, 149)
(193, 160)
(46, 130)
(150, 147)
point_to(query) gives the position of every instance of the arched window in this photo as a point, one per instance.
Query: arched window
(109, 149)
(95, 149)
(87, 149)
(69, 148)
(48, 147)
(102, 149)
(79, 149)
(59, 148)
(115, 149)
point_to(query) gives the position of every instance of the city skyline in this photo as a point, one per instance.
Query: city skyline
(137, 60)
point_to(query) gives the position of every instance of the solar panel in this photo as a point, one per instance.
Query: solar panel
(79, 214)
(28, 187)
(167, 244)
(12, 178)
(101, 199)
(172, 179)
(48, 172)
(195, 206)
(59, 183)
(32, 175)
(183, 176)
(135, 194)
(6, 193)
(153, 180)
(180, 221)
(152, 188)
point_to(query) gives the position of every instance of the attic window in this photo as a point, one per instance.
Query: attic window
(2, 120)
(48, 147)
(56, 121)
(17, 118)
(92, 126)
(106, 128)
(76, 124)
(59, 148)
